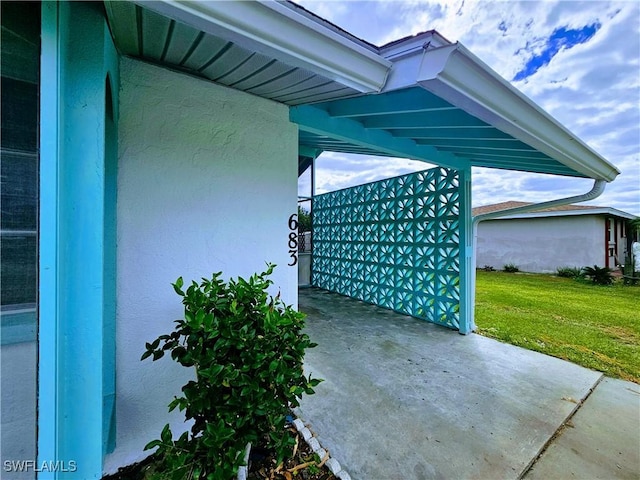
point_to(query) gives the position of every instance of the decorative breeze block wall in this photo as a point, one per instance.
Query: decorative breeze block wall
(393, 243)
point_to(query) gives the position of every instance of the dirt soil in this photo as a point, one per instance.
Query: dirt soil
(303, 464)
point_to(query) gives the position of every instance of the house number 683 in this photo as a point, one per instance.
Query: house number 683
(293, 239)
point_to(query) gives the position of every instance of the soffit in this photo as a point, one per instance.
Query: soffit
(142, 33)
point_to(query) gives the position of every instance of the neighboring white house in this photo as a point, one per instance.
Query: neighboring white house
(542, 241)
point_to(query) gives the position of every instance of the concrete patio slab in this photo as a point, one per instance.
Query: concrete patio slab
(405, 399)
(601, 441)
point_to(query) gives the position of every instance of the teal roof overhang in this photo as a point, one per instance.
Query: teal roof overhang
(421, 97)
(444, 106)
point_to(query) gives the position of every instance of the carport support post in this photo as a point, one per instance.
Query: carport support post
(467, 267)
(313, 194)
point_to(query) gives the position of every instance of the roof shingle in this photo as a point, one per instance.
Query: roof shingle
(496, 207)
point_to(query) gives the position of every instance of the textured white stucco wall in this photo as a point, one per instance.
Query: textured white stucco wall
(541, 244)
(207, 181)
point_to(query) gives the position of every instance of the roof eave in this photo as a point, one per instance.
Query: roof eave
(611, 212)
(456, 75)
(274, 29)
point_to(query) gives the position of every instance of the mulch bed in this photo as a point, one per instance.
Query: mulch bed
(303, 465)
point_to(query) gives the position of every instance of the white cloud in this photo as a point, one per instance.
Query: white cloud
(593, 88)
(337, 170)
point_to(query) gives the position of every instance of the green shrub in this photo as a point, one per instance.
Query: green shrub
(304, 220)
(510, 268)
(247, 351)
(569, 272)
(488, 268)
(598, 275)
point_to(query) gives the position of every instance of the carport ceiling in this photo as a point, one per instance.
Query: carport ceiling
(440, 132)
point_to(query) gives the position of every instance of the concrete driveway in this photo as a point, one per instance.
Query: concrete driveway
(405, 399)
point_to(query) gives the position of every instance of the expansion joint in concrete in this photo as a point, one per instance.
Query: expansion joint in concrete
(560, 429)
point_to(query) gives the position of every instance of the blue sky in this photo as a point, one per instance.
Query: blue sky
(580, 61)
(561, 38)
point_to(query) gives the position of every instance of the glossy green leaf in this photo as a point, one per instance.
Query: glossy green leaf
(165, 436)
(178, 286)
(152, 444)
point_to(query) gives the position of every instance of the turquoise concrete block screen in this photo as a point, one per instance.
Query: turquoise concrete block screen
(393, 243)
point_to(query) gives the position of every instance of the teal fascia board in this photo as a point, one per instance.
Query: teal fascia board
(318, 121)
(309, 152)
(77, 241)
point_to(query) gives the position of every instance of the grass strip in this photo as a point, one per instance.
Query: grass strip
(594, 326)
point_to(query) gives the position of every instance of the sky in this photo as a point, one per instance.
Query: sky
(579, 61)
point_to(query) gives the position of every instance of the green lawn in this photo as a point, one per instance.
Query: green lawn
(594, 326)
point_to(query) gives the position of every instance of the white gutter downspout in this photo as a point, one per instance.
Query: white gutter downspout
(595, 192)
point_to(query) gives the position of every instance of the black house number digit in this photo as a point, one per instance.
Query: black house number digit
(293, 239)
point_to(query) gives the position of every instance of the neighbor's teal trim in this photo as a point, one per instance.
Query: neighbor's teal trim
(77, 210)
(466, 254)
(316, 120)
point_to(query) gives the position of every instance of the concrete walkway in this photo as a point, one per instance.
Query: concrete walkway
(405, 399)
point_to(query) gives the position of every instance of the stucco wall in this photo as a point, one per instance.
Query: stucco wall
(541, 244)
(207, 181)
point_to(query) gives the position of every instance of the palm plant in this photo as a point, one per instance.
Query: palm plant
(598, 275)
